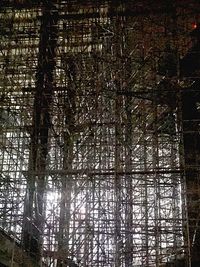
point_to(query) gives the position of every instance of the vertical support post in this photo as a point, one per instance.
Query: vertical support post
(66, 181)
(129, 185)
(156, 179)
(117, 183)
(34, 210)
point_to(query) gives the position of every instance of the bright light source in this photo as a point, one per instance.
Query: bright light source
(194, 25)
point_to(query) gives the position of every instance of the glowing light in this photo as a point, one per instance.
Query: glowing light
(194, 25)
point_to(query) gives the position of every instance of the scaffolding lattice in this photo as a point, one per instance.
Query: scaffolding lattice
(92, 162)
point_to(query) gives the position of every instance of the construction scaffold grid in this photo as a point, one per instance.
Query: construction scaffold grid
(92, 158)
